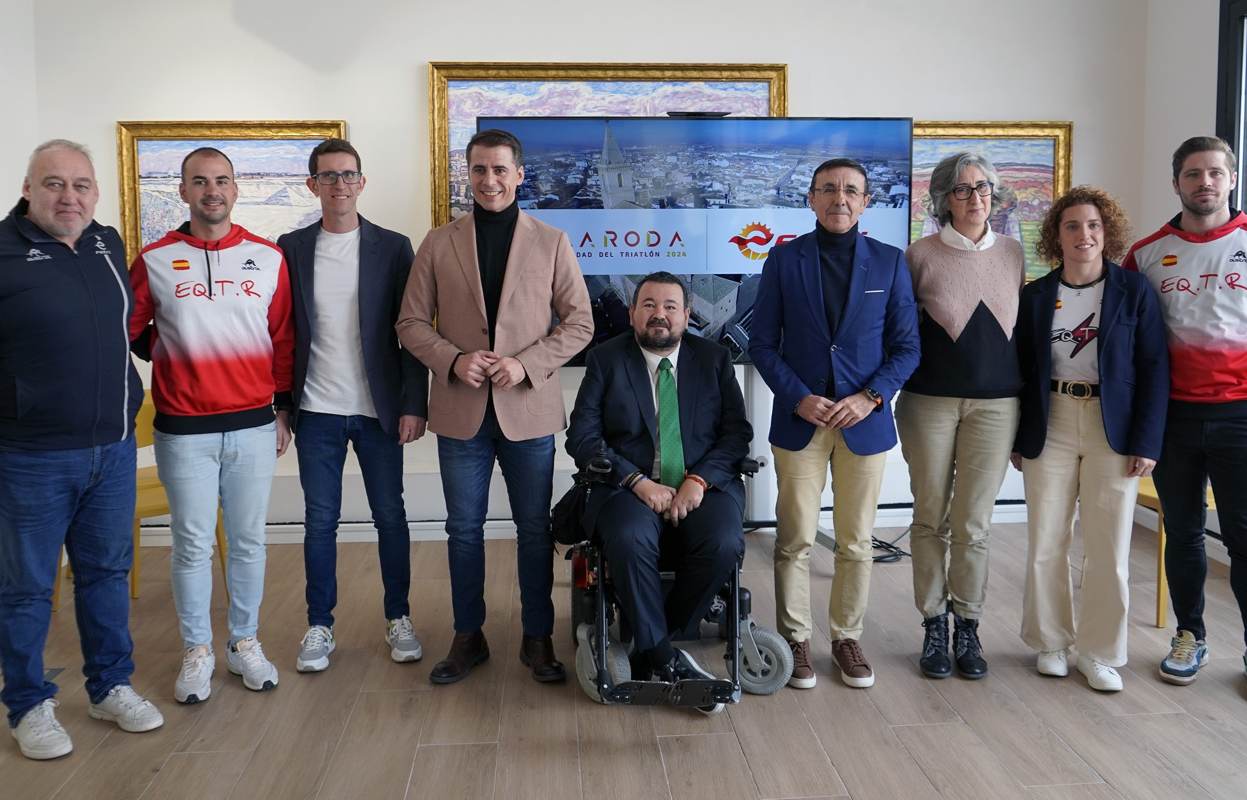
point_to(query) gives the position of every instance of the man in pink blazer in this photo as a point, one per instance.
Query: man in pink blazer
(478, 312)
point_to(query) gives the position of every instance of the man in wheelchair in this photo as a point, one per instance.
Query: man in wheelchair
(668, 414)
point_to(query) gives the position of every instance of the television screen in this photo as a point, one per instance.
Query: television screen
(703, 197)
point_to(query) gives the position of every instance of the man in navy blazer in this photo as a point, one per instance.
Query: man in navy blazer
(834, 335)
(353, 383)
(693, 512)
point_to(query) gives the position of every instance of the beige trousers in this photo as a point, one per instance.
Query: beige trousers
(855, 483)
(958, 450)
(1077, 464)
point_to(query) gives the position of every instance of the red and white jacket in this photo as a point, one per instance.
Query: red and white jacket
(1202, 283)
(223, 341)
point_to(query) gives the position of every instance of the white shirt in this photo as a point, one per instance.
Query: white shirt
(336, 382)
(953, 238)
(652, 361)
(1075, 329)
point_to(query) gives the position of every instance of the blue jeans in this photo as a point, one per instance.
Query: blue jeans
(1195, 453)
(321, 441)
(528, 469)
(82, 499)
(198, 470)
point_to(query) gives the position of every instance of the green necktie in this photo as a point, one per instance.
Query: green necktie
(670, 447)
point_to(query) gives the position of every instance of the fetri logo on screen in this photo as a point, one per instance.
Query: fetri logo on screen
(754, 240)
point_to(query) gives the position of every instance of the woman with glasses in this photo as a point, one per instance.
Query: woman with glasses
(958, 413)
(1095, 372)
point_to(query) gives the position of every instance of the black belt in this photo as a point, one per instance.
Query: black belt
(1081, 390)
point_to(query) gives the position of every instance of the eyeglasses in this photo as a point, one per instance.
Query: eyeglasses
(828, 189)
(983, 188)
(330, 178)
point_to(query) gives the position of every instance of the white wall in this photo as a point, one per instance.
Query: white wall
(1098, 64)
(1180, 100)
(20, 132)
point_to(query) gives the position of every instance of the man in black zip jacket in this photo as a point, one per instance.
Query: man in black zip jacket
(68, 398)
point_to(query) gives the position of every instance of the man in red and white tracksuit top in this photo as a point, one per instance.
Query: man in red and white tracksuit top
(222, 351)
(1198, 264)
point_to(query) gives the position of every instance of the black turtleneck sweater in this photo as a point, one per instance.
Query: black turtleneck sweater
(835, 259)
(494, 231)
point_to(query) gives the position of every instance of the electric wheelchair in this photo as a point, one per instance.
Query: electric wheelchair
(758, 659)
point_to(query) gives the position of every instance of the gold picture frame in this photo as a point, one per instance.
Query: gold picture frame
(1033, 158)
(267, 139)
(444, 74)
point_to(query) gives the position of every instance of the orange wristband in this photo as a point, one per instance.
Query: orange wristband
(699, 480)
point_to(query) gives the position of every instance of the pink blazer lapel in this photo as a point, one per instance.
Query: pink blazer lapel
(463, 241)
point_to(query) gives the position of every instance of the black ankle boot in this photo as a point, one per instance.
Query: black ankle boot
(966, 648)
(934, 662)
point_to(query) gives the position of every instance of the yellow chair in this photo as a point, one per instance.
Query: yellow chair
(1149, 499)
(149, 501)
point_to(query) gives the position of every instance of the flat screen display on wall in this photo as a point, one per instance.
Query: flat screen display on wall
(703, 197)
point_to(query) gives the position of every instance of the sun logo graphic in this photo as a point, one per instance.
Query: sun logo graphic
(753, 240)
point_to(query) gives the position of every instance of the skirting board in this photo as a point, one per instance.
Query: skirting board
(434, 530)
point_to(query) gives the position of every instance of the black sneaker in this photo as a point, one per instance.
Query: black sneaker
(967, 649)
(934, 661)
(682, 668)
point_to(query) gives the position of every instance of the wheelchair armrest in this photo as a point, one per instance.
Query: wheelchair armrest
(750, 466)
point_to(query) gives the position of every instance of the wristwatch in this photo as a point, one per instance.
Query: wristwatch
(874, 396)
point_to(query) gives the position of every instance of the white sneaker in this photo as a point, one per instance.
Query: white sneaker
(194, 683)
(246, 658)
(39, 735)
(401, 637)
(130, 712)
(1100, 677)
(1053, 662)
(314, 650)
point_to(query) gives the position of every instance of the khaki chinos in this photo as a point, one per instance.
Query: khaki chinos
(855, 484)
(957, 449)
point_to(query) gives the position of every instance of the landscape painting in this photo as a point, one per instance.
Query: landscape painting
(1031, 159)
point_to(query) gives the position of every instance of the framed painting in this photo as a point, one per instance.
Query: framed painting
(459, 92)
(270, 168)
(1032, 159)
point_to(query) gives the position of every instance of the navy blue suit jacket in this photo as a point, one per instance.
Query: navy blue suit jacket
(614, 415)
(1133, 355)
(876, 344)
(398, 383)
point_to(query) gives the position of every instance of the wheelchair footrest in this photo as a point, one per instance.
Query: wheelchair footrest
(698, 692)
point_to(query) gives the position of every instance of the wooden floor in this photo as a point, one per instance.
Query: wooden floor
(369, 728)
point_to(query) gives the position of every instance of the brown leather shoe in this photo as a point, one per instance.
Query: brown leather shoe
(537, 653)
(803, 676)
(466, 651)
(855, 670)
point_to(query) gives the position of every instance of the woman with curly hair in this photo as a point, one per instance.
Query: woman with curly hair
(1095, 371)
(958, 413)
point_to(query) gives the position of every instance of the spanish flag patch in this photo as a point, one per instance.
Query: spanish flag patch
(1169, 261)
(181, 263)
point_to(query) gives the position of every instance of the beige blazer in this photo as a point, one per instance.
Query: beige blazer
(443, 315)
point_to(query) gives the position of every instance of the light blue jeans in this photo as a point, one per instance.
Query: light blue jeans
(196, 470)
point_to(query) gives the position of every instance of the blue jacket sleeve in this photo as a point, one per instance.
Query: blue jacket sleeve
(766, 334)
(415, 376)
(900, 335)
(1151, 372)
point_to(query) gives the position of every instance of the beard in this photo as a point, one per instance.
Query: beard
(1204, 206)
(657, 337)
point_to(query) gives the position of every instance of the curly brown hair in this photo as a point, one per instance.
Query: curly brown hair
(1116, 225)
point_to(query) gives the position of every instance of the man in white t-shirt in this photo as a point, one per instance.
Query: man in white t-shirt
(353, 383)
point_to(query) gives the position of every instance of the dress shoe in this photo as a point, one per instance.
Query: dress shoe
(966, 648)
(934, 662)
(466, 651)
(537, 653)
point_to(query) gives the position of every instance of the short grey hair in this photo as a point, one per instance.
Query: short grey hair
(944, 178)
(57, 144)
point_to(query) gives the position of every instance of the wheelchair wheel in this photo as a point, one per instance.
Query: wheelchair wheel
(617, 663)
(775, 667)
